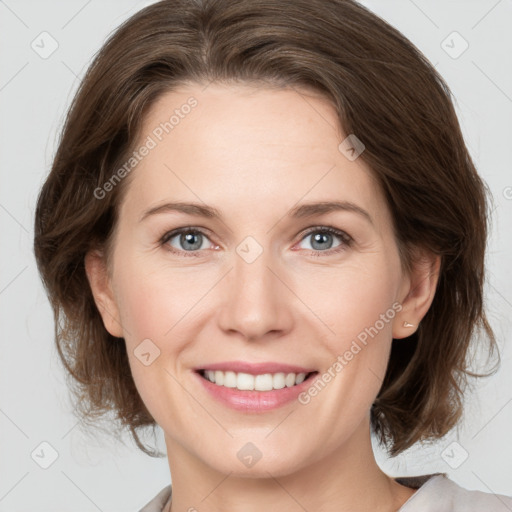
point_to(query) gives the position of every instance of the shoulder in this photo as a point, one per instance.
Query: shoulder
(158, 503)
(437, 493)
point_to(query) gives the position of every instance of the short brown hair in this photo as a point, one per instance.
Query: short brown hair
(384, 90)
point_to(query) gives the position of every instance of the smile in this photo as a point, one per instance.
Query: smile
(254, 393)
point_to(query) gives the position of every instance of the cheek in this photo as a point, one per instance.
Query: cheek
(142, 310)
(151, 307)
(152, 301)
(160, 314)
(353, 298)
(359, 308)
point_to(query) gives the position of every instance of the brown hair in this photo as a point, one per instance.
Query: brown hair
(384, 91)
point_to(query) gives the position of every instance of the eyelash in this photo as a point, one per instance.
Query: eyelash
(346, 239)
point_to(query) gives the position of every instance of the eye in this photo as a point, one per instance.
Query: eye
(321, 242)
(190, 241)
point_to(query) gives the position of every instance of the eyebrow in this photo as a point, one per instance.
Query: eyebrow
(299, 212)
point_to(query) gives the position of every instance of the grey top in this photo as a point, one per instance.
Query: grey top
(436, 493)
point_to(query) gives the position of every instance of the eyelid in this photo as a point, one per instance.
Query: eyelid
(329, 229)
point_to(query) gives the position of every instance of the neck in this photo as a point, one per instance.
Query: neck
(348, 479)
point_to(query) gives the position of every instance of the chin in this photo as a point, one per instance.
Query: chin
(250, 462)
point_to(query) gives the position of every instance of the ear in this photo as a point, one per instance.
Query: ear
(417, 293)
(101, 287)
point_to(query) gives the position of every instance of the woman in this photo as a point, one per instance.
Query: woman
(248, 129)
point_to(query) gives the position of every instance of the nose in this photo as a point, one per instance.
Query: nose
(258, 302)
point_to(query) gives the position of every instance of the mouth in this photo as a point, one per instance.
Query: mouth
(260, 382)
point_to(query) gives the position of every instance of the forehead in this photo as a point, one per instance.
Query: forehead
(245, 146)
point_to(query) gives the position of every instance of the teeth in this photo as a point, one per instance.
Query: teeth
(246, 381)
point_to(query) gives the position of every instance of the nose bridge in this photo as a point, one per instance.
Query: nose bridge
(256, 301)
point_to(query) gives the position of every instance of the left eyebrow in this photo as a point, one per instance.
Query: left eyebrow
(301, 211)
(310, 209)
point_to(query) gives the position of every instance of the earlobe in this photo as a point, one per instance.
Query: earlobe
(419, 295)
(100, 283)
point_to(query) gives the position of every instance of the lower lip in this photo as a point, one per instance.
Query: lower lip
(255, 401)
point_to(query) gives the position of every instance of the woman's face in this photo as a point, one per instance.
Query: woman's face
(262, 282)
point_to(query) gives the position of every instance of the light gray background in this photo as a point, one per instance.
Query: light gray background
(92, 473)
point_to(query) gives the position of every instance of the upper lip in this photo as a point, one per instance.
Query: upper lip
(255, 368)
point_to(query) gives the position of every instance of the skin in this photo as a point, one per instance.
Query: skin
(254, 154)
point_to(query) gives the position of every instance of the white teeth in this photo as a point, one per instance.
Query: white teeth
(278, 381)
(300, 378)
(289, 380)
(218, 377)
(263, 382)
(230, 379)
(246, 381)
